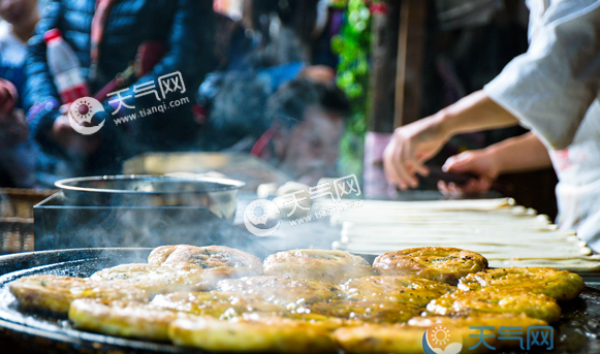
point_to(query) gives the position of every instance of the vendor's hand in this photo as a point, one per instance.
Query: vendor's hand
(478, 162)
(13, 128)
(74, 144)
(409, 148)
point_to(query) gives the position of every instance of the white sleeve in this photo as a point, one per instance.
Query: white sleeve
(550, 88)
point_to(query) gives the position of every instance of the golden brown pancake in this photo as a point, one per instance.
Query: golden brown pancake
(559, 284)
(222, 262)
(408, 339)
(281, 290)
(443, 264)
(484, 319)
(159, 279)
(55, 294)
(513, 302)
(405, 290)
(251, 335)
(395, 338)
(366, 311)
(317, 265)
(497, 321)
(216, 304)
(124, 319)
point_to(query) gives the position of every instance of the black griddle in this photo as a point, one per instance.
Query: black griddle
(35, 332)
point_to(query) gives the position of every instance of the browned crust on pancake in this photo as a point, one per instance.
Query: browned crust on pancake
(443, 264)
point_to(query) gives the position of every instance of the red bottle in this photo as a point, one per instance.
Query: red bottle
(65, 68)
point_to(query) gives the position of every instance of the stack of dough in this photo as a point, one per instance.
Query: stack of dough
(509, 235)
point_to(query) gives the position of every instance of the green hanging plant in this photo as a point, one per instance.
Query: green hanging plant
(353, 45)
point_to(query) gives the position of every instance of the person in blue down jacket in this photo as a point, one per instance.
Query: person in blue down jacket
(142, 114)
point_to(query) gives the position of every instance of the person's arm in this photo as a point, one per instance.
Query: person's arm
(551, 87)
(519, 154)
(548, 89)
(416, 143)
(40, 97)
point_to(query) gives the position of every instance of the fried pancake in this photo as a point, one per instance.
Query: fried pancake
(221, 262)
(516, 302)
(215, 304)
(318, 265)
(281, 290)
(443, 264)
(159, 279)
(397, 338)
(151, 320)
(484, 320)
(124, 319)
(55, 294)
(323, 323)
(230, 305)
(559, 284)
(406, 290)
(365, 311)
(249, 335)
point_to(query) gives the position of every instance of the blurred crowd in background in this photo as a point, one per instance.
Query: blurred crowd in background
(260, 76)
(250, 82)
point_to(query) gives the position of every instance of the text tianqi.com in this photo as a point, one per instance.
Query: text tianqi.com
(84, 109)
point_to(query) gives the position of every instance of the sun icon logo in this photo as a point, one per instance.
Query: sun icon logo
(441, 336)
(259, 212)
(82, 111)
(442, 339)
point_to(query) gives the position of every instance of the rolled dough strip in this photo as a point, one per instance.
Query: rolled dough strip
(495, 251)
(398, 233)
(579, 266)
(483, 241)
(500, 213)
(340, 219)
(467, 204)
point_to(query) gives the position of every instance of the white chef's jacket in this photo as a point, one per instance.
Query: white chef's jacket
(554, 89)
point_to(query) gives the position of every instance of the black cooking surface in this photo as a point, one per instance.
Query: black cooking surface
(33, 327)
(577, 332)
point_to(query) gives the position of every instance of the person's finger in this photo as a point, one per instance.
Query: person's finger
(407, 177)
(443, 188)
(483, 184)
(452, 189)
(399, 179)
(458, 163)
(64, 109)
(408, 174)
(471, 187)
(389, 162)
(420, 168)
(395, 167)
(475, 186)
